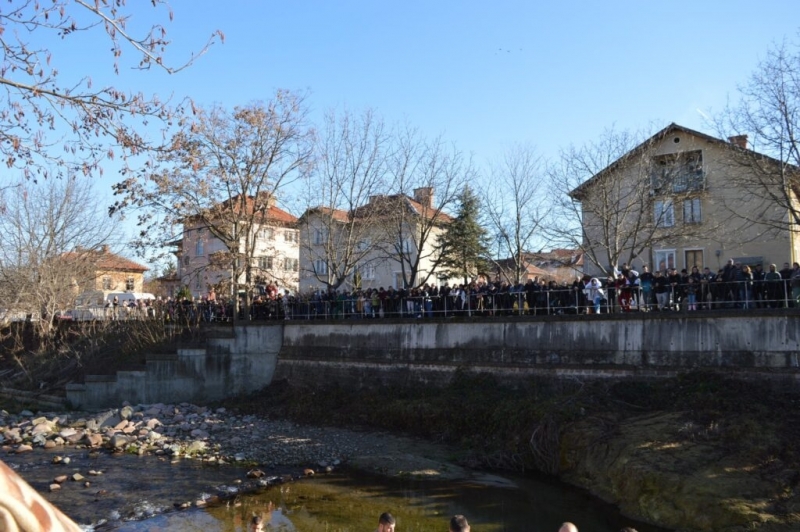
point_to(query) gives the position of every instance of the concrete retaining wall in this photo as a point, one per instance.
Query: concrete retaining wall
(614, 346)
(231, 364)
(369, 353)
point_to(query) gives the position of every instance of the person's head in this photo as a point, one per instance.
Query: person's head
(772, 267)
(458, 523)
(386, 522)
(730, 262)
(568, 527)
(796, 265)
(256, 524)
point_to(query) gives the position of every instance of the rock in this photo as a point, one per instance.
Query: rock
(117, 441)
(153, 436)
(55, 487)
(75, 438)
(57, 459)
(77, 477)
(66, 460)
(67, 432)
(26, 413)
(87, 484)
(24, 448)
(196, 447)
(94, 473)
(121, 425)
(255, 473)
(153, 423)
(49, 444)
(93, 440)
(198, 433)
(239, 457)
(308, 472)
(60, 478)
(126, 412)
(44, 428)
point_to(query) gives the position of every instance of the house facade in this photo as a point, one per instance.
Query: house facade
(103, 270)
(375, 244)
(204, 261)
(681, 199)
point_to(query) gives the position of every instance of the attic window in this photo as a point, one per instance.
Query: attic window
(676, 140)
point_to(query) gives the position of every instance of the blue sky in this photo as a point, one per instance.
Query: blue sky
(482, 74)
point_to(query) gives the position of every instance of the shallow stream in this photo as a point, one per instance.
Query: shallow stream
(147, 488)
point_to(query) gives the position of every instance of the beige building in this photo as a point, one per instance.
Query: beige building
(204, 260)
(104, 270)
(681, 199)
(374, 245)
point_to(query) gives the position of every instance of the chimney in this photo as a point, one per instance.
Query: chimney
(740, 141)
(424, 195)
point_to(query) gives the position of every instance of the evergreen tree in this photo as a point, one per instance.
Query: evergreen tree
(464, 246)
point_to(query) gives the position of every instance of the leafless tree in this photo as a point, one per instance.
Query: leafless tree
(54, 122)
(51, 234)
(516, 203)
(427, 176)
(615, 199)
(339, 235)
(222, 178)
(764, 126)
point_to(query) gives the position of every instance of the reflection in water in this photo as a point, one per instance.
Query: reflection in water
(352, 503)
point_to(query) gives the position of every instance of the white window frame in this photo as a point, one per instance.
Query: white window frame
(321, 267)
(264, 262)
(320, 236)
(290, 264)
(199, 248)
(658, 254)
(664, 213)
(367, 271)
(695, 211)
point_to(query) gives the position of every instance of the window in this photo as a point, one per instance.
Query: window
(404, 246)
(320, 267)
(665, 259)
(186, 260)
(290, 264)
(266, 233)
(691, 211)
(129, 284)
(677, 172)
(320, 236)
(106, 283)
(290, 236)
(265, 263)
(366, 271)
(664, 213)
(363, 245)
(199, 248)
(694, 257)
(197, 282)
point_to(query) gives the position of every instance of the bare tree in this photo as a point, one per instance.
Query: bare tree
(51, 236)
(56, 123)
(428, 177)
(516, 204)
(222, 178)
(764, 126)
(339, 236)
(614, 199)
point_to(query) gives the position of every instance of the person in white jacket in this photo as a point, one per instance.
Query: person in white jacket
(595, 293)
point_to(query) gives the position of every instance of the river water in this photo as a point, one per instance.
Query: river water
(146, 490)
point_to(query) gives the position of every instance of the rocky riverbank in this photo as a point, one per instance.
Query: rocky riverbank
(265, 451)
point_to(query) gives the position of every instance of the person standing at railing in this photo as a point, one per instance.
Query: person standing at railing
(646, 286)
(729, 274)
(595, 293)
(661, 289)
(774, 287)
(795, 280)
(744, 280)
(759, 295)
(786, 276)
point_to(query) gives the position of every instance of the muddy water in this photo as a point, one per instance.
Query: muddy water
(146, 489)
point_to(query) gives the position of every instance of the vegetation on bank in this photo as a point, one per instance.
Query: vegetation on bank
(701, 451)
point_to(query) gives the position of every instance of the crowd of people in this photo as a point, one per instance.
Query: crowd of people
(735, 286)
